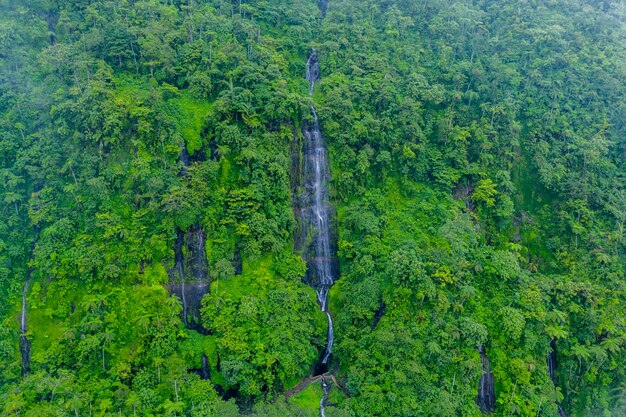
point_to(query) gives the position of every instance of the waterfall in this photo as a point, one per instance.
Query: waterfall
(205, 372)
(184, 159)
(319, 248)
(316, 212)
(24, 342)
(200, 271)
(313, 71)
(189, 279)
(486, 398)
(330, 338)
(552, 365)
(551, 360)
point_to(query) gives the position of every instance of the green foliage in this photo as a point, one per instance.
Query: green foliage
(260, 322)
(478, 172)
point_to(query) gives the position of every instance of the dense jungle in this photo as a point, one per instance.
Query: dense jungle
(335, 208)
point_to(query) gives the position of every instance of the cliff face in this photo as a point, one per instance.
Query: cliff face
(189, 278)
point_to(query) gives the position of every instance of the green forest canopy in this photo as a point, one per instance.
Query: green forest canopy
(478, 154)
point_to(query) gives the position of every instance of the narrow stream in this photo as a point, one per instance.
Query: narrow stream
(24, 342)
(325, 390)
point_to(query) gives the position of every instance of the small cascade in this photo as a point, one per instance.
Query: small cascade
(382, 308)
(325, 390)
(486, 398)
(330, 339)
(313, 71)
(184, 159)
(551, 360)
(552, 366)
(197, 253)
(205, 371)
(237, 260)
(189, 279)
(24, 342)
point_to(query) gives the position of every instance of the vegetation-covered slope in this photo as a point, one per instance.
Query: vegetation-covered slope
(478, 156)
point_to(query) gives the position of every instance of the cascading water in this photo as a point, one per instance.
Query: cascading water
(486, 398)
(24, 342)
(325, 390)
(312, 70)
(189, 279)
(316, 211)
(205, 372)
(552, 365)
(551, 360)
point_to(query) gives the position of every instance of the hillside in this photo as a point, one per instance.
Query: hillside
(300, 208)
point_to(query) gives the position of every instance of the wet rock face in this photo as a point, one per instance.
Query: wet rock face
(191, 294)
(25, 351)
(382, 308)
(205, 374)
(184, 158)
(551, 360)
(196, 266)
(189, 279)
(486, 398)
(313, 71)
(178, 272)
